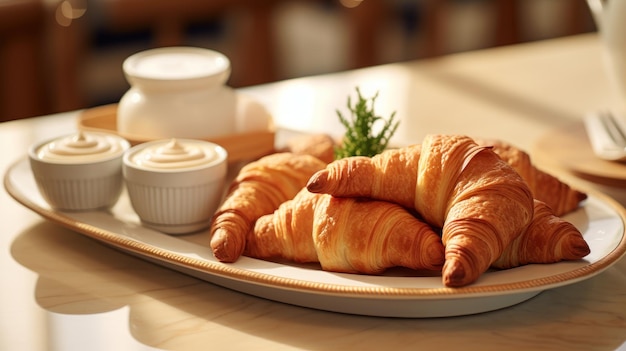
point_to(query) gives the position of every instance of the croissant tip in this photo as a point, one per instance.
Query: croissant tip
(316, 183)
(579, 248)
(436, 257)
(222, 255)
(454, 274)
(222, 250)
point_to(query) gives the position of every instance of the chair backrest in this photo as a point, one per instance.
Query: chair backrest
(21, 51)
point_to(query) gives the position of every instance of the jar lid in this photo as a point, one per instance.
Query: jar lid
(176, 63)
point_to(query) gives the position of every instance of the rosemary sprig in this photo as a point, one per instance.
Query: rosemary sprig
(359, 139)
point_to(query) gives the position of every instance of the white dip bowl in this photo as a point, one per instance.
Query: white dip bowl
(79, 172)
(175, 185)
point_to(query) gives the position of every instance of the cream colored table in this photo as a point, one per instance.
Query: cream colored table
(63, 291)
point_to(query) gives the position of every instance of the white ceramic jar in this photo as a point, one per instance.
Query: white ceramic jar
(177, 92)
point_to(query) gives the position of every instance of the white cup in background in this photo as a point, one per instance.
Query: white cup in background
(610, 18)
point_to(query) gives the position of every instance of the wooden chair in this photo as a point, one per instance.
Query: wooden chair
(40, 51)
(22, 92)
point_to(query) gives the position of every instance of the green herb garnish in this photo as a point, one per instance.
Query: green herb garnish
(359, 139)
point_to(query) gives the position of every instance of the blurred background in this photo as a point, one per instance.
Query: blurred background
(61, 55)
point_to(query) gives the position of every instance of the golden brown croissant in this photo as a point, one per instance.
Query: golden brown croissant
(548, 239)
(348, 235)
(556, 194)
(477, 199)
(259, 189)
(321, 146)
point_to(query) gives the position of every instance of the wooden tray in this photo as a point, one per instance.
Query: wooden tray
(240, 147)
(571, 149)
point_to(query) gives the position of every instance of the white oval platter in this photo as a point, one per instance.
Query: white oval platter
(395, 294)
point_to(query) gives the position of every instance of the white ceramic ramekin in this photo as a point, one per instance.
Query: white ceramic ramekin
(177, 197)
(88, 179)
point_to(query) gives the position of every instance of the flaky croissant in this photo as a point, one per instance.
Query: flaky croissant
(259, 188)
(548, 239)
(478, 200)
(345, 235)
(546, 188)
(321, 146)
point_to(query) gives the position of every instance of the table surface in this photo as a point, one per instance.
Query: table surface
(64, 291)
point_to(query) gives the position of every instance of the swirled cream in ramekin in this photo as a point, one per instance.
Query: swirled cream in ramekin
(81, 171)
(82, 147)
(175, 185)
(175, 155)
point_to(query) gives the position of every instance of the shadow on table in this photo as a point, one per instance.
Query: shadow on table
(78, 275)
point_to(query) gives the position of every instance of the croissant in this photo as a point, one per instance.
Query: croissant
(480, 202)
(556, 194)
(321, 146)
(548, 239)
(259, 188)
(351, 235)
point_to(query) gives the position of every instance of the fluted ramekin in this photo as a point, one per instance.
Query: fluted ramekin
(80, 182)
(177, 200)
